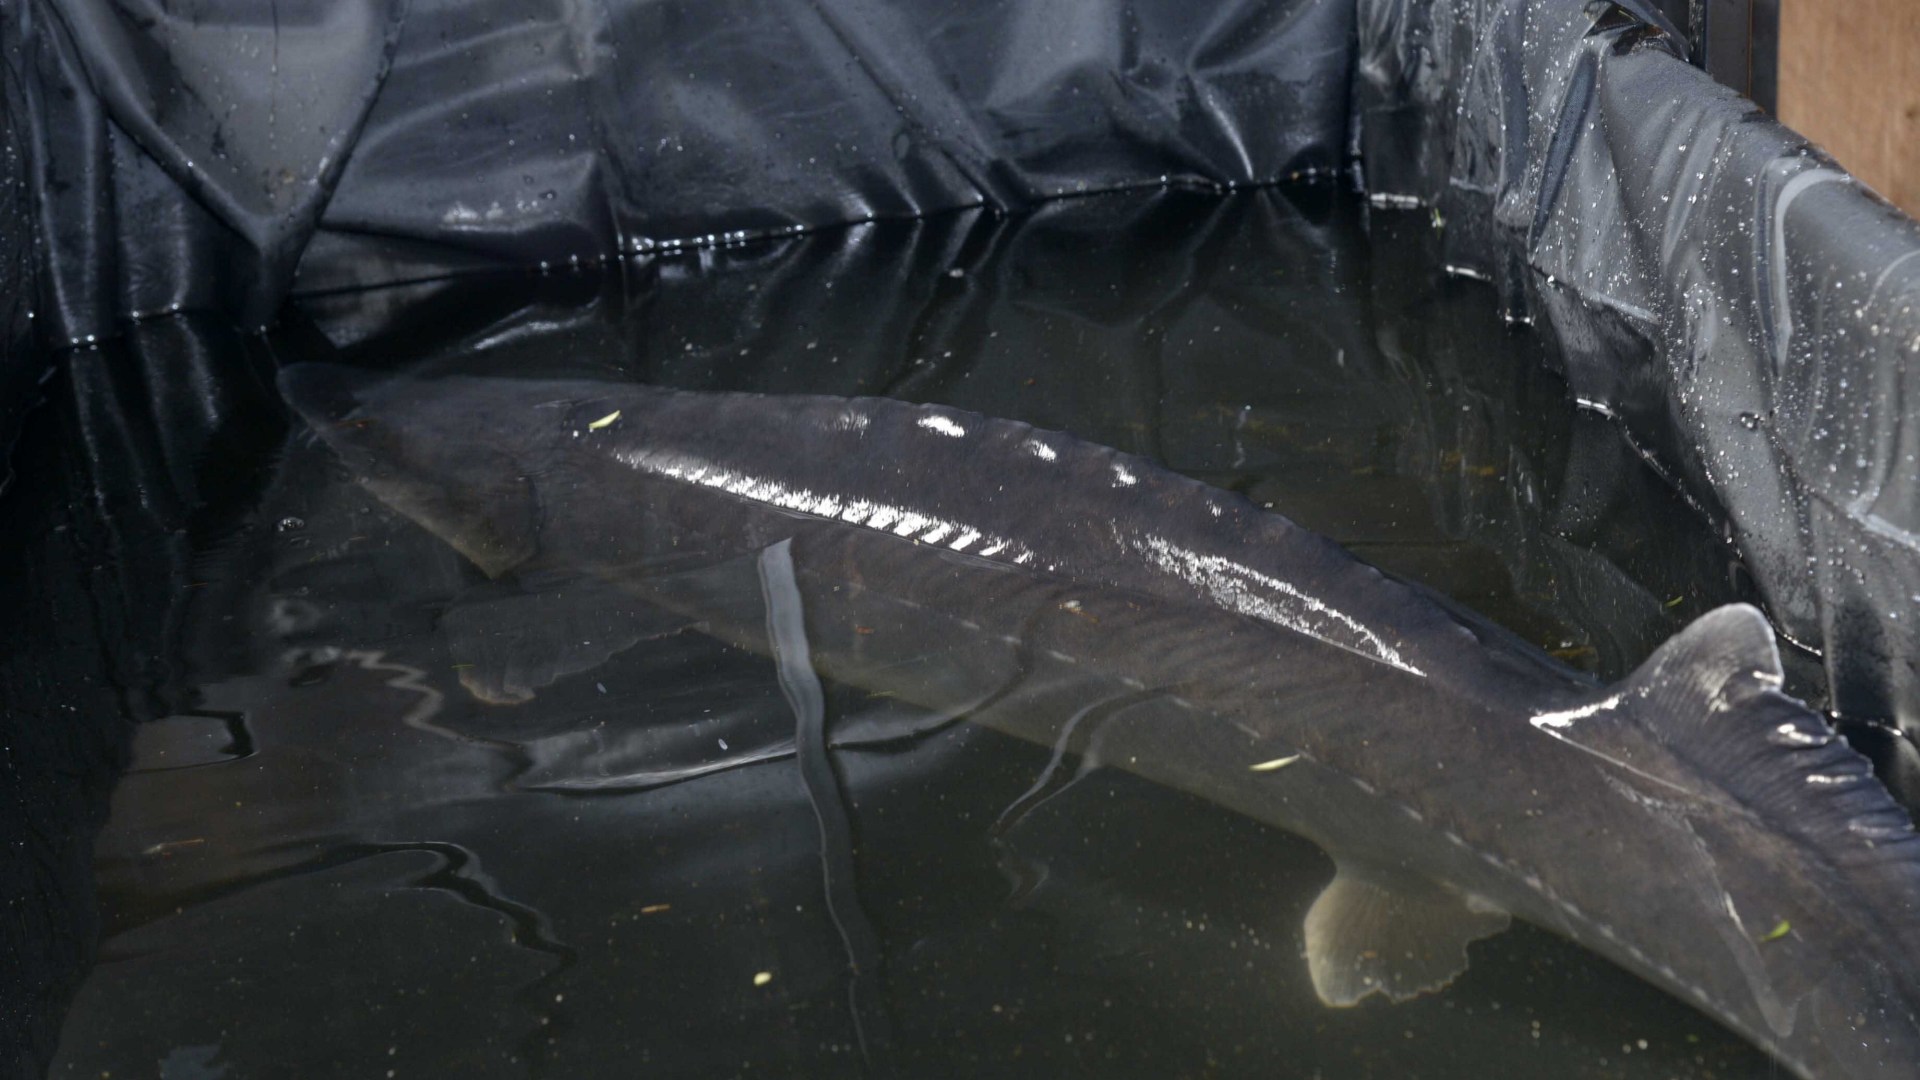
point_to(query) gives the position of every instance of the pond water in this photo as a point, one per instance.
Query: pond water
(328, 857)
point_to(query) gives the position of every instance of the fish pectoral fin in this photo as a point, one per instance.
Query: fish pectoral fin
(1391, 932)
(509, 640)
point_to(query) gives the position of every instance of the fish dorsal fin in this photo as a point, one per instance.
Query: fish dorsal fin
(1723, 660)
(1695, 716)
(1379, 931)
(1705, 715)
(1705, 719)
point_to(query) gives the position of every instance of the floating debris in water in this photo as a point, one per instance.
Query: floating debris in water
(1778, 932)
(604, 421)
(762, 978)
(1276, 763)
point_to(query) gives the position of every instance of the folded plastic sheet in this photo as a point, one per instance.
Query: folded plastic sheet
(20, 368)
(203, 157)
(1749, 311)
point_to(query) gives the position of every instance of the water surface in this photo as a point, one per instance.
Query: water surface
(329, 858)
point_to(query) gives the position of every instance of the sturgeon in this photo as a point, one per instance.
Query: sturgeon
(1691, 823)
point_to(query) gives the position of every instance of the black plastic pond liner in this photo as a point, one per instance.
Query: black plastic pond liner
(1748, 310)
(1743, 308)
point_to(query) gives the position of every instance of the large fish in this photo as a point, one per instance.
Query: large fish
(1691, 823)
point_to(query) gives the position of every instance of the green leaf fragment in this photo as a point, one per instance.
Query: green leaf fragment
(1779, 931)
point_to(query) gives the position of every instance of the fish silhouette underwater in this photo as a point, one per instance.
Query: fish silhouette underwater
(1691, 823)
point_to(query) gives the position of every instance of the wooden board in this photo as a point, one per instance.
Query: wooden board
(1850, 81)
